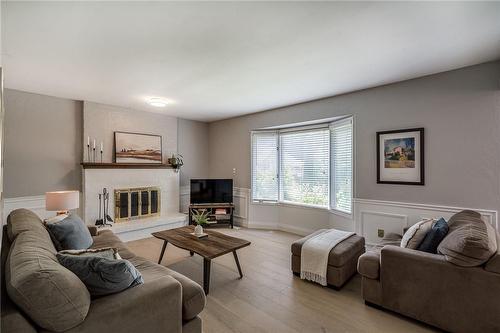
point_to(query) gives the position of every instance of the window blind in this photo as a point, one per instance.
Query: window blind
(304, 175)
(341, 146)
(265, 166)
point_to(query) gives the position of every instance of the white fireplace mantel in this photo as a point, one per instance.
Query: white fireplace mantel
(95, 179)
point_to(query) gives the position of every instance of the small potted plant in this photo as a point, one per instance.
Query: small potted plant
(176, 161)
(200, 217)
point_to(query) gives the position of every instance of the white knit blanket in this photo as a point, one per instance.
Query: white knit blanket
(315, 251)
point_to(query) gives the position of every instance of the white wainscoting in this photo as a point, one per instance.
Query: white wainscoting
(371, 215)
(35, 203)
(241, 199)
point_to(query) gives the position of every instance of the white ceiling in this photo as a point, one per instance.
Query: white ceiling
(219, 60)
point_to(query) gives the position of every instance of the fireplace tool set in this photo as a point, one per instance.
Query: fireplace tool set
(104, 217)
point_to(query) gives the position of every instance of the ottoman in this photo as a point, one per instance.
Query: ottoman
(342, 261)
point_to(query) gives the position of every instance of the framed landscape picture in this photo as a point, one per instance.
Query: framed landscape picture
(137, 148)
(400, 157)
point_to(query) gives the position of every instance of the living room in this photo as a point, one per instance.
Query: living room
(345, 153)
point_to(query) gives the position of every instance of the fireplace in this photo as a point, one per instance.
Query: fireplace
(136, 203)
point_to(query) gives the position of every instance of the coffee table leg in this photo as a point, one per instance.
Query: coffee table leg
(162, 251)
(206, 275)
(237, 264)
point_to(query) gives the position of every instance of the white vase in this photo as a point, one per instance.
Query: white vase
(198, 230)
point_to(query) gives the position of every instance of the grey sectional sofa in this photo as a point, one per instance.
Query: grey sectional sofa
(40, 295)
(430, 288)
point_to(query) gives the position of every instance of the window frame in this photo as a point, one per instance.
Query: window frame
(264, 201)
(331, 204)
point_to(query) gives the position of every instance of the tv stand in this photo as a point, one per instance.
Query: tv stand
(219, 214)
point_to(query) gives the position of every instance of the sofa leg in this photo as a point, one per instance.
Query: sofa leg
(296, 274)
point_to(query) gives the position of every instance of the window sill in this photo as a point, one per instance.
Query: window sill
(341, 214)
(289, 204)
(304, 206)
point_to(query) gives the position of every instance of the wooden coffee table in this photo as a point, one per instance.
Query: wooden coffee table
(211, 247)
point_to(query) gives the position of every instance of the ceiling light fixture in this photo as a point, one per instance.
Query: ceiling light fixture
(157, 102)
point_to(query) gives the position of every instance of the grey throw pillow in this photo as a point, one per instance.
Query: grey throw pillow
(102, 276)
(71, 233)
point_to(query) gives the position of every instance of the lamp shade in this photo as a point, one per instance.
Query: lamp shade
(62, 200)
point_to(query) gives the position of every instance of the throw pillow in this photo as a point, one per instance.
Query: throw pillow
(102, 276)
(70, 233)
(434, 237)
(416, 234)
(105, 252)
(470, 241)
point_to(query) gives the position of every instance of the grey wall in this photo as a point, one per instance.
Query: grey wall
(193, 146)
(100, 121)
(460, 111)
(42, 144)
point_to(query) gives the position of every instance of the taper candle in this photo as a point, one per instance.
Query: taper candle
(94, 144)
(88, 141)
(101, 147)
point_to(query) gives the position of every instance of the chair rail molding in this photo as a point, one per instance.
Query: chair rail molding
(392, 216)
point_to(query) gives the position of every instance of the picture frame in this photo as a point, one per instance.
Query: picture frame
(139, 148)
(400, 157)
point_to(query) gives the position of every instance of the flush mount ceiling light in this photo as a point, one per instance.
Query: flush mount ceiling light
(157, 102)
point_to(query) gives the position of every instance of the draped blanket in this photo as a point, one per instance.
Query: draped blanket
(314, 254)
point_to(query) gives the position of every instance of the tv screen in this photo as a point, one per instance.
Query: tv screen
(206, 191)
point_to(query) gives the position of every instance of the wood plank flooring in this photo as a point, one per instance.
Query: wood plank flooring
(270, 298)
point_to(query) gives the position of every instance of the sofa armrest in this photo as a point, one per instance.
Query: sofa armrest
(427, 287)
(93, 230)
(153, 307)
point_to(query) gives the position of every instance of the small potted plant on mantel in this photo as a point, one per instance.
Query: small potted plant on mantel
(176, 162)
(200, 217)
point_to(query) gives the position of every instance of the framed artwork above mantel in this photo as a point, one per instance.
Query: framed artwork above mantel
(138, 148)
(400, 157)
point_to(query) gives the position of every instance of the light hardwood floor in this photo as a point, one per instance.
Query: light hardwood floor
(270, 298)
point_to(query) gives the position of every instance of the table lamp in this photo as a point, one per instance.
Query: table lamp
(62, 201)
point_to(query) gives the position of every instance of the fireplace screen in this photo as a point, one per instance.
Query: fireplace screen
(135, 203)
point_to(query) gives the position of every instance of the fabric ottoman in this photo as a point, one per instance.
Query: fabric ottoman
(342, 261)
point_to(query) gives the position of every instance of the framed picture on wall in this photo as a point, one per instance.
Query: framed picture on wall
(400, 157)
(138, 148)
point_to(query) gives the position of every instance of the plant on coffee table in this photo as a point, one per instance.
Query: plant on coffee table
(200, 217)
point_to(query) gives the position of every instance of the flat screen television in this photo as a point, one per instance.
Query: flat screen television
(208, 191)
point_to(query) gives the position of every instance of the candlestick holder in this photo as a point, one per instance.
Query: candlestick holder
(93, 156)
(101, 156)
(88, 153)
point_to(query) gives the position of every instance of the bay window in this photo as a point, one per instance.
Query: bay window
(304, 165)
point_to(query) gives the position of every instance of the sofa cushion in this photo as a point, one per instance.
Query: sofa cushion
(416, 234)
(470, 242)
(52, 296)
(102, 276)
(193, 296)
(106, 238)
(340, 254)
(369, 264)
(21, 220)
(434, 237)
(70, 233)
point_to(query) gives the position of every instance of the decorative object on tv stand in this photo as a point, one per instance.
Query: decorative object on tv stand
(138, 148)
(200, 217)
(176, 162)
(104, 217)
(62, 201)
(400, 157)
